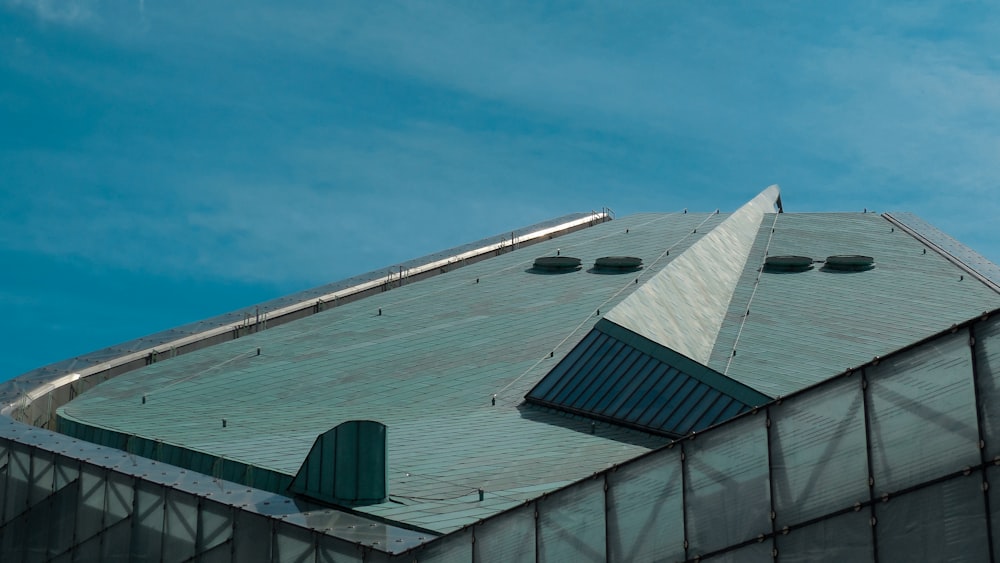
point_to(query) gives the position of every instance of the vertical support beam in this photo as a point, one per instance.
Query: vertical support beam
(871, 470)
(684, 506)
(770, 481)
(977, 390)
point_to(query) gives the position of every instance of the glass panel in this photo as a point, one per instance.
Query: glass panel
(727, 490)
(222, 553)
(67, 471)
(63, 517)
(115, 541)
(293, 544)
(820, 461)
(988, 373)
(332, 550)
(453, 548)
(90, 515)
(147, 533)
(252, 534)
(923, 416)
(42, 476)
(15, 499)
(119, 498)
(507, 537)
(753, 553)
(993, 477)
(645, 509)
(215, 525)
(847, 537)
(181, 526)
(571, 524)
(943, 522)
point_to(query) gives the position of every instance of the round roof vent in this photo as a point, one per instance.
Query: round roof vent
(788, 263)
(556, 264)
(850, 263)
(618, 263)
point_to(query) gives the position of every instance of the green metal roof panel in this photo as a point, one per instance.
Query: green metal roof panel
(804, 327)
(970, 258)
(616, 375)
(426, 367)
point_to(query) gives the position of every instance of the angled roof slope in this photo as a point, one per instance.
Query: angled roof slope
(445, 362)
(424, 359)
(807, 326)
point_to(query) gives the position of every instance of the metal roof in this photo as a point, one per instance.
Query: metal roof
(804, 327)
(616, 375)
(425, 359)
(444, 362)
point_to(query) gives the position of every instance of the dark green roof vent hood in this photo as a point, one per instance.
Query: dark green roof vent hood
(850, 263)
(618, 264)
(787, 263)
(347, 465)
(556, 264)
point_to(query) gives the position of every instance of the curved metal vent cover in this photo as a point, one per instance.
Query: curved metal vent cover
(787, 263)
(556, 264)
(849, 263)
(618, 263)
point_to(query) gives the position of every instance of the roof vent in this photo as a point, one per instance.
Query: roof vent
(556, 264)
(618, 264)
(347, 465)
(788, 263)
(849, 263)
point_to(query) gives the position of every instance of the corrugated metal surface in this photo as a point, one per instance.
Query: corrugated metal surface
(805, 327)
(968, 257)
(706, 276)
(346, 465)
(616, 375)
(427, 367)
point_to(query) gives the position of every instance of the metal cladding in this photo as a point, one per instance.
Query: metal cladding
(347, 465)
(684, 305)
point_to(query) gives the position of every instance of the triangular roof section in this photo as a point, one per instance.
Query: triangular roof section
(683, 306)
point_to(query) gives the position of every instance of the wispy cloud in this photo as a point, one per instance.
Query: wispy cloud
(67, 12)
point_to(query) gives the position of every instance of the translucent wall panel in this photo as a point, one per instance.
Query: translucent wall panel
(753, 553)
(943, 522)
(727, 488)
(645, 509)
(42, 476)
(252, 536)
(507, 537)
(293, 545)
(15, 499)
(215, 526)
(90, 515)
(180, 526)
(847, 537)
(571, 524)
(820, 460)
(147, 534)
(993, 477)
(453, 548)
(331, 550)
(988, 366)
(923, 416)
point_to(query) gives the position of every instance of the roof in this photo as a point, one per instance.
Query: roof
(428, 358)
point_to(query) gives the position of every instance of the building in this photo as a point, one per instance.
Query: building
(745, 386)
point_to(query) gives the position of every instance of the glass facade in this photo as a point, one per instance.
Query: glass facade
(889, 462)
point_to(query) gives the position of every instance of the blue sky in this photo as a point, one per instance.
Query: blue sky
(163, 162)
